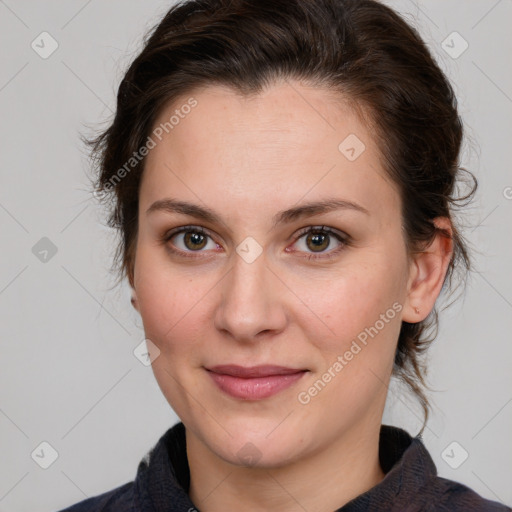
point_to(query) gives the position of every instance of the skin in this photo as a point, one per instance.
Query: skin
(247, 159)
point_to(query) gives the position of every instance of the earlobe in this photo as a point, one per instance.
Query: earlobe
(134, 301)
(428, 271)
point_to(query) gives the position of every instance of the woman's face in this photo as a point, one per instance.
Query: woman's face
(252, 288)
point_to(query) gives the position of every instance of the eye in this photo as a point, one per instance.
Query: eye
(318, 239)
(189, 239)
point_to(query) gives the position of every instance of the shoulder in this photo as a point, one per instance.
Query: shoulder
(451, 496)
(119, 499)
(162, 477)
(412, 483)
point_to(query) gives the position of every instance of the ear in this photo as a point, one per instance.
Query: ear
(134, 300)
(131, 280)
(427, 272)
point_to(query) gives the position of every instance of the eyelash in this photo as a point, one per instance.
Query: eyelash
(344, 239)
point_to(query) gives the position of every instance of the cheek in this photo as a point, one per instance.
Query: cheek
(362, 312)
(362, 307)
(172, 308)
(170, 303)
(171, 319)
(344, 305)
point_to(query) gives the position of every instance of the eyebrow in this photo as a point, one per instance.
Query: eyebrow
(283, 217)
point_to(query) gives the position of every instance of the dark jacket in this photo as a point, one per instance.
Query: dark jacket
(411, 483)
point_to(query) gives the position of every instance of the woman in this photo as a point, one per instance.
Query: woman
(282, 174)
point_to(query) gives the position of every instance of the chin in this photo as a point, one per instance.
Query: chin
(262, 453)
(256, 442)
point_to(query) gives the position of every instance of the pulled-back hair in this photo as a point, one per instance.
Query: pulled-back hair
(360, 49)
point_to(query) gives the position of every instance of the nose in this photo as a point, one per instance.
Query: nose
(252, 301)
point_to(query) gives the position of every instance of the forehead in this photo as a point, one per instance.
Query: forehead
(289, 141)
(286, 112)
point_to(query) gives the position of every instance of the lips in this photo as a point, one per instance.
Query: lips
(255, 382)
(247, 372)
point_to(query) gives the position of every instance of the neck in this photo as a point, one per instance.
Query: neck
(324, 481)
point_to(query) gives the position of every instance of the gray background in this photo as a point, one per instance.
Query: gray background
(68, 375)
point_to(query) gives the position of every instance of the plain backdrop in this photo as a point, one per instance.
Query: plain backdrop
(68, 375)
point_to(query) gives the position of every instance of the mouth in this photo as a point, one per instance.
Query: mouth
(255, 382)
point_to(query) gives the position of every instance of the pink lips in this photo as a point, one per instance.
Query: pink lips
(255, 382)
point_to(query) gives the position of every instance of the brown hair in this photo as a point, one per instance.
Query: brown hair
(360, 49)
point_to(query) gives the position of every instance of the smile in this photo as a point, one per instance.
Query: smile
(254, 383)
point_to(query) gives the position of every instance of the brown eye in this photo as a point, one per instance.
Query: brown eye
(194, 240)
(189, 239)
(317, 241)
